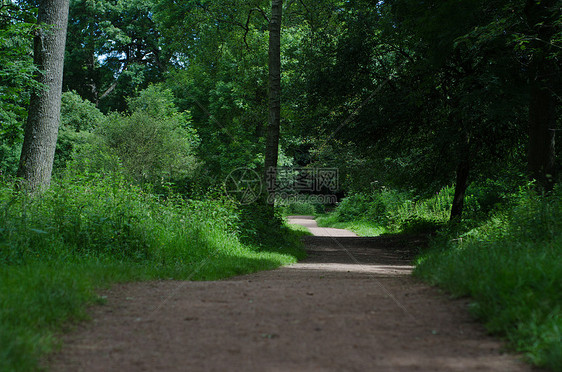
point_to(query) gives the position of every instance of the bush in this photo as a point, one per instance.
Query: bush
(353, 207)
(9, 159)
(79, 118)
(89, 215)
(150, 148)
(154, 144)
(395, 211)
(78, 114)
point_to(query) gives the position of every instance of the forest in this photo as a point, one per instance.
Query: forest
(133, 134)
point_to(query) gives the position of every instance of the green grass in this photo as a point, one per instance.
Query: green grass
(389, 211)
(507, 260)
(360, 227)
(299, 229)
(90, 231)
(510, 266)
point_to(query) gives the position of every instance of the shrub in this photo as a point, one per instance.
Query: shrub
(154, 144)
(151, 148)
(78, 114)
(353, 207)
(79, 118)
(395, 210)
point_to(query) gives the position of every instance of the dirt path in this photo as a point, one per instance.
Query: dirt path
(351, 306)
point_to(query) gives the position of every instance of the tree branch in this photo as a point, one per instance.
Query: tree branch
(247, 27)
(114, 84)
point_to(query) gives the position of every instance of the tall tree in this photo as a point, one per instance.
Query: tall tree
(272, 141)
(113, 49)
(545, 21)
(461, 103)
(40, 138)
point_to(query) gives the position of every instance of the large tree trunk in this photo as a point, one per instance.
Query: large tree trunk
(272, 141)
(36, 161)
(541, 150)
(544, 75)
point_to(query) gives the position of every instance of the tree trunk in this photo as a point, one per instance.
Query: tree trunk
(542, 15)
(541, 150)
(36, 161)
(463, 169)
(272, 141)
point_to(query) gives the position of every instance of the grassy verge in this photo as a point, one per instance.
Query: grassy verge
(510, 266)
(360, 227)
(299, 230)
(505, 255)
(90, 231)
(388, 211)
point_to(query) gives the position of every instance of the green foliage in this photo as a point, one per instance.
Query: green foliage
(510, 266)
(16, 81)
(154, 144)
(16, 76)
(225, 87)
(90, 230)
(9, 158)
(258, 229)
(298, 209)
(78, 114)
(113, 50)
(79, 118)
(393, 211)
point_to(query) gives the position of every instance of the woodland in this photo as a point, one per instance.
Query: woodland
(122, 122)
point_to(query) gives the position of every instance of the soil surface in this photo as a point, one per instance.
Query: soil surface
(350, 306)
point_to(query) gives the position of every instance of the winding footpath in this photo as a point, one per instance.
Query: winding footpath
(350, 306)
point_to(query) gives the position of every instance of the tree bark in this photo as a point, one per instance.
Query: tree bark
(463, 170)
(41, 130)
(543, 71)
(541, 150)
(272, 141)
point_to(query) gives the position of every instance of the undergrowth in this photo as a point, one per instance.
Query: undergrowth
(510, 267)
(360, 227)
(504, 254)
(88, 231)
(389, 211)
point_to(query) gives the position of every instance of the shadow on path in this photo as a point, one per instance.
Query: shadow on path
(337, 250)
(350, 306)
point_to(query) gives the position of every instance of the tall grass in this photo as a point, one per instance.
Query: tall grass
(505, 255)
(91, 230)
(510, 265)
(390, 211)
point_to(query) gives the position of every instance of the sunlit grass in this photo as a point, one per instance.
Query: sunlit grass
(88, 232)
(361, 227)
(299, 229)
